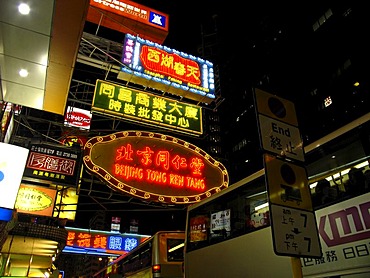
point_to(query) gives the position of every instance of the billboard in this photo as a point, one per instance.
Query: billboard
(77, 117)
(168, 70)
(12, 161)
(53, 164)
(154, 166)
(344, 236)
(35, 200)
(85, 241)
(145, 108)
(129, 17)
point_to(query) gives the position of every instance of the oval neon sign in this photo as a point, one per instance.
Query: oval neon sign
(155, 166)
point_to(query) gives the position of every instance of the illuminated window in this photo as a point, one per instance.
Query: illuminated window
(322, 19)
(216, 149)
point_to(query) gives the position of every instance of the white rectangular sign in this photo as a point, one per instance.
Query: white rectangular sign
(280, 138)
(12, 162)
(294, 232)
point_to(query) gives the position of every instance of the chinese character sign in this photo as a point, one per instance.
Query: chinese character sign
(155, 166)
(111, 243)
(148, 109)
(166, 69)
(58, 164)
(35, 200)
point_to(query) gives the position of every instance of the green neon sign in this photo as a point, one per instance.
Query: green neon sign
(145, 108)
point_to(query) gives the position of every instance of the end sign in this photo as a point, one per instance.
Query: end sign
(293, 222)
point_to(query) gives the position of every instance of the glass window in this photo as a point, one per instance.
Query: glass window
(232, 214)
(175, 250)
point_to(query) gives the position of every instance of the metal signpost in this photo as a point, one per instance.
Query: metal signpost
(293, 221)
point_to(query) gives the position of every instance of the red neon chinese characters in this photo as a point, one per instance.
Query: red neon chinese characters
(196, 164)
(70, 238)
(146, 156)
(163, 158)
(168, 168)
(124, 153)
(178, 162)
(173, 65)
(100, 242)
(84, 240)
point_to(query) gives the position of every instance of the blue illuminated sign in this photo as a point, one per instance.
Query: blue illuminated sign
(6, 214)
(157, 19)
(122, 243)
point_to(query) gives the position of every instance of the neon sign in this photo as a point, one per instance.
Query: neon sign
(145, 108)
(115, 243)
(160, 67)
(170, 64)
(155, 166)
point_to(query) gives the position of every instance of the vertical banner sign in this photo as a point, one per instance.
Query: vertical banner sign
(293, 221)
(12, 162)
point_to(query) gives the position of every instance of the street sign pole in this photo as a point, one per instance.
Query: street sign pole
(293, 222)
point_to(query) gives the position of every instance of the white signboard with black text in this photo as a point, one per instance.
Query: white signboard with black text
(281, 138)
(294, 232)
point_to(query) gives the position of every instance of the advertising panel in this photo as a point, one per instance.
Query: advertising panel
(344, 230)
(53, 164)
(35, 200)
(12, 161)
(77, 117)
(199, 228)
(220, 224)
(81, 240)
(129, 17)
(155, 167)
(145, 108)
(168, 70)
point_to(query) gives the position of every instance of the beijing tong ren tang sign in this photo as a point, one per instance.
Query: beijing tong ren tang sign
(154, 166)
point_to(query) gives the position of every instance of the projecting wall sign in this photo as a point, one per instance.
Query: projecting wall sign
(146, 109)
(155, 166)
